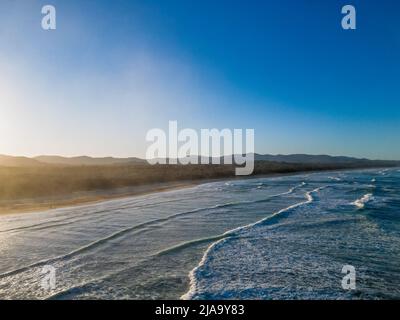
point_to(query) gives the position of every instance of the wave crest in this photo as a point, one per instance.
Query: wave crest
(360, 203)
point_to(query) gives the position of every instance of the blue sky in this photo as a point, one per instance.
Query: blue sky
(115, 69)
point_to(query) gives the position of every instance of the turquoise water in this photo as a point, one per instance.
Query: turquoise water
(266, 238)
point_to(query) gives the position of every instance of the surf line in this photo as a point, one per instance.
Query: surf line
(227, 233)
(119, 233)
(192, 275)
(360, 203)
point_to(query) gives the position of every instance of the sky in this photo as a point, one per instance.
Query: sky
(112, 70)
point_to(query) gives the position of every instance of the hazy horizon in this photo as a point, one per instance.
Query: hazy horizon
(192, 155)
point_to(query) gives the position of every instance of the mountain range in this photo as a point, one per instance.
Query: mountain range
(12, 161)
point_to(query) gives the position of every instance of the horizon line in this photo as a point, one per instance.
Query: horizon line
(229, 155)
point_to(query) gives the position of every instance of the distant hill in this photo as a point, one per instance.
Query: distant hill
(87, 161)
(9, 161)
(300, 158)
(306, 158)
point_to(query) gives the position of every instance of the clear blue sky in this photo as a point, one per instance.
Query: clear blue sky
(114, 69)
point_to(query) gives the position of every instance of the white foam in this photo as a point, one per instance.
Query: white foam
(383, 172)
(192, 275)
(360, 203)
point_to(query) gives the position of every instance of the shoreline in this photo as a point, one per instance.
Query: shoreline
(92, 197)
(99, 196)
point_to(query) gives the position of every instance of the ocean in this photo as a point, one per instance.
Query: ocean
(285, 237)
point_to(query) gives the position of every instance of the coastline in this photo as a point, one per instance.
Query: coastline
(92, 197)
(110, 224)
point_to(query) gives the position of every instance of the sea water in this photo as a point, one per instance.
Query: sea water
(284, 237)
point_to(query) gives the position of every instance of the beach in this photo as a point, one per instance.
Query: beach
(90, 197)
(282, 237)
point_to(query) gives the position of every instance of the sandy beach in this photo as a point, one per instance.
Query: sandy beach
(90, 197)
